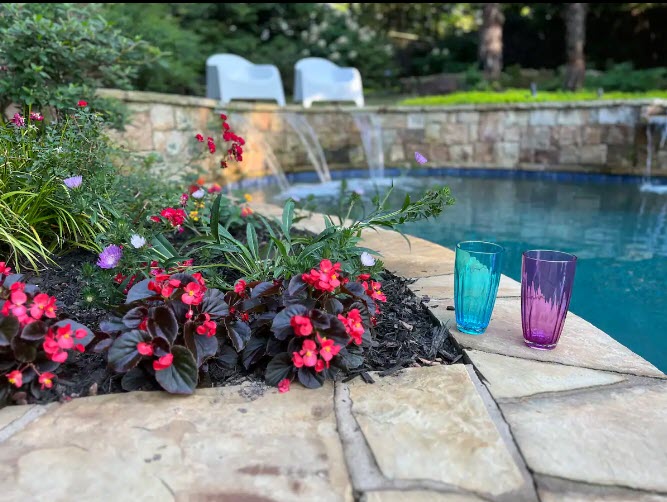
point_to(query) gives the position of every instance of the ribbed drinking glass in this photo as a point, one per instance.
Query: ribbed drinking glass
(546, 288)
(476, 278)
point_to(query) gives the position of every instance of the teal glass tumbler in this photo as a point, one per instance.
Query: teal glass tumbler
(476, 278)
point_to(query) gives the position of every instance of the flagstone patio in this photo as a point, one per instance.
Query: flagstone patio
(584, 422)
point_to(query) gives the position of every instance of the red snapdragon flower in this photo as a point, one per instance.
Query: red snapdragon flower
(200, 138)
(145, 349)
(324, 279)
(240, 287)
(163, 362)
(4, 269)
(353, 325)
(82, 103)
(301, 325)
(363, 277)
(328, 349)
(46, 379)
(215, 188)
(15, 378)
(283, 385)
(223, 116)
(211, 145)
(307, 356)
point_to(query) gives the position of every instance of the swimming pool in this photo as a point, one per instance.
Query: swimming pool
(618, 233)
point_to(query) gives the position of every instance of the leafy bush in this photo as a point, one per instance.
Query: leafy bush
(623, 77)
(34, 341)
(56, 183)
(53, 54)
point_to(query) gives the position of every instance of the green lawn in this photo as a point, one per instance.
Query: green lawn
(524, 96)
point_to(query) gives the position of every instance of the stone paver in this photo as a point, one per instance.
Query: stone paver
(581, 344)
(610, 436)
(511, 377)
(558, 490)
(421, 259)
(219, 444)
(441, 287)
(9, 414)
(418, 496)
(430, 423)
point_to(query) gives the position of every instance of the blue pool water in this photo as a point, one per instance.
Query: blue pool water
(618, 233)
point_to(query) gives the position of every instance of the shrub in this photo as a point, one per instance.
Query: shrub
(53, 54)
(34, 341)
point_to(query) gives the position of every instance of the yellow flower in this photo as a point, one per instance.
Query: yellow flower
(194, 215)
(247, 197)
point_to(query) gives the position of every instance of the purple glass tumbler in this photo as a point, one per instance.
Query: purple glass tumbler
(546, 288)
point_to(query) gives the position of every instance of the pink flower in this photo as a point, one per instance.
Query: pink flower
(308, 353)
(215, 188)
(200, 138)
(240, 287)
(163, 362)
(4, 270)
(46, 379)
(211, 145)
(353, 325)
(43, 304)
(82, 103)
(283, 385)
(18, 120)
(194, 294)
(15, 377)
(324, 279)
(36, 116)
(145, 349)
(301, 325)
(328, 349)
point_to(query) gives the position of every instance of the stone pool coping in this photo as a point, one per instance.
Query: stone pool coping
(583, 422)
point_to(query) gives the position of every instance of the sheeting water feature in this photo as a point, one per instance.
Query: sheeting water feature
(659, 124)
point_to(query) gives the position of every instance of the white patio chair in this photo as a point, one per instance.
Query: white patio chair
(318, 79)
(229, 76)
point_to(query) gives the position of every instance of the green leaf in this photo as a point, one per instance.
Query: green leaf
(215, 218)
(288, 217)
(162, 324)
(135, 379)
(123, 354)
(279, 368)
(251, 236)
(164, 247)
(181, 376)
(9, 328)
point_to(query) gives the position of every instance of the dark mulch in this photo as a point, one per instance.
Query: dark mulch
(406, 335)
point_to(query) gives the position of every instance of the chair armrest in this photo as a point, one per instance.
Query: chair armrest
(263, 71)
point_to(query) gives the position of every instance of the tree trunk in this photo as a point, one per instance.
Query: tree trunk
(491, 41)
(575, 39)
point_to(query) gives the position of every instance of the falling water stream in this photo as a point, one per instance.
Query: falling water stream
(311, 144)
(370, 130)
(658, 122)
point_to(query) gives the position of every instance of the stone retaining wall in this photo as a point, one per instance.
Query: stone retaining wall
(600, 137)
